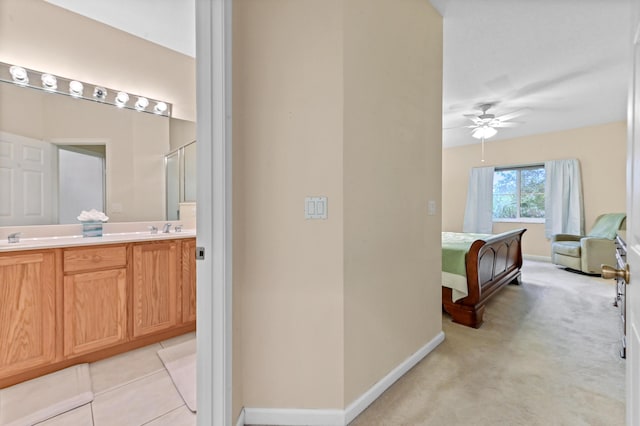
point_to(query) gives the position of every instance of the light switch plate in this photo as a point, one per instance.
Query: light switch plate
(315, 208)
(431, 208)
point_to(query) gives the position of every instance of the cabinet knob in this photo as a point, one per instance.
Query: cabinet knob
(609, 272)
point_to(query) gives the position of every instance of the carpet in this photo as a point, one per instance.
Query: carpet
(44, 397)
(180, 362)
(546, 354)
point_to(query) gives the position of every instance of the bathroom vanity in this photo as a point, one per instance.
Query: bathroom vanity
(65, 301)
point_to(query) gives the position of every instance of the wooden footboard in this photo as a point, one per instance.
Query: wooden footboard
(491, 264)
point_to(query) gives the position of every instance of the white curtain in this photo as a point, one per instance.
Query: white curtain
(563, 205)
(478, 215)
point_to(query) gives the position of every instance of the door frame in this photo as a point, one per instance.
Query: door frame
(213, 214)
(632, 412)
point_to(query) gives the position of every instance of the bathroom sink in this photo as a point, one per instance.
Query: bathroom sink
(78, 240)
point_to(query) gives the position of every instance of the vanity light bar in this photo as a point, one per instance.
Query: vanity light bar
(80, 90)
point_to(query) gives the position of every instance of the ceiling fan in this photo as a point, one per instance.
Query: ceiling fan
(485, 124)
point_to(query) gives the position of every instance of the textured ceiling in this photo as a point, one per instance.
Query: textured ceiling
(566, 62)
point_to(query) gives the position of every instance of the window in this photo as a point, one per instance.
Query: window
(518, 194)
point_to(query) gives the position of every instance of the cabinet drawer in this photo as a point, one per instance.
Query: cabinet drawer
(94, 258)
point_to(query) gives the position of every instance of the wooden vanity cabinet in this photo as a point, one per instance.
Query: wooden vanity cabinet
(62, 306)
(95, 298)
(189, 281)
(27, 310)
(155, 286)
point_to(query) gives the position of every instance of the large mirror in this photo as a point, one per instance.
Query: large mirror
(46, 38)
(89, 155)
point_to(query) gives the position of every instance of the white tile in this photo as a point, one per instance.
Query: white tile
(136, 403)
(81, 416)
(180, 362)
(124, 368)
(178, 339)
(47, 396)
(179, 417)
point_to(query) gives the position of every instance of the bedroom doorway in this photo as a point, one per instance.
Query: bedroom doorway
(81, 180)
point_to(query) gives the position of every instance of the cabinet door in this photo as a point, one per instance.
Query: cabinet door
(95, 310)
(155, 283)
(27, 311)
(188, 281)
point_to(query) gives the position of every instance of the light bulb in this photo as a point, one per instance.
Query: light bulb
(142, 103)
(19, 75)
(121, 99)
(76, 88)
(160, 108)
(49, 82)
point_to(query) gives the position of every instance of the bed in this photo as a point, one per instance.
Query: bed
(474, 268)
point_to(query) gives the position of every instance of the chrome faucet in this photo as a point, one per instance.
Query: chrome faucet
(165, 228)
(153, 229)
(14, 238)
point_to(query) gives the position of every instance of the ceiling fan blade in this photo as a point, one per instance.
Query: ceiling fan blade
(459, 106)
(514, 114)
(540, 86)
(474, 118)
(507, 124)
(456, 127)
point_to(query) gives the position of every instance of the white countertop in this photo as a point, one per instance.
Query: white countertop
(28, 242)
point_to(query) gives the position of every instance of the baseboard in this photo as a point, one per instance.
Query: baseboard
(360, 404)
(240, 421)
(537, 258)
(293, 417)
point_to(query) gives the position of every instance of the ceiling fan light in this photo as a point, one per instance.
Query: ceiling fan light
(489, 132)
(484, 132)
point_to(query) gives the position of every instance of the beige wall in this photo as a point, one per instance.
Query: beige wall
(44, 37)
(287, 144)
(600, 149)
(342, 99)
(392, 160)
(181, 132)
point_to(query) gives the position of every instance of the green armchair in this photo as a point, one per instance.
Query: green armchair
(587, 253)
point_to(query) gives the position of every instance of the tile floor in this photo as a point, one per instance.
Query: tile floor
(131, 389)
